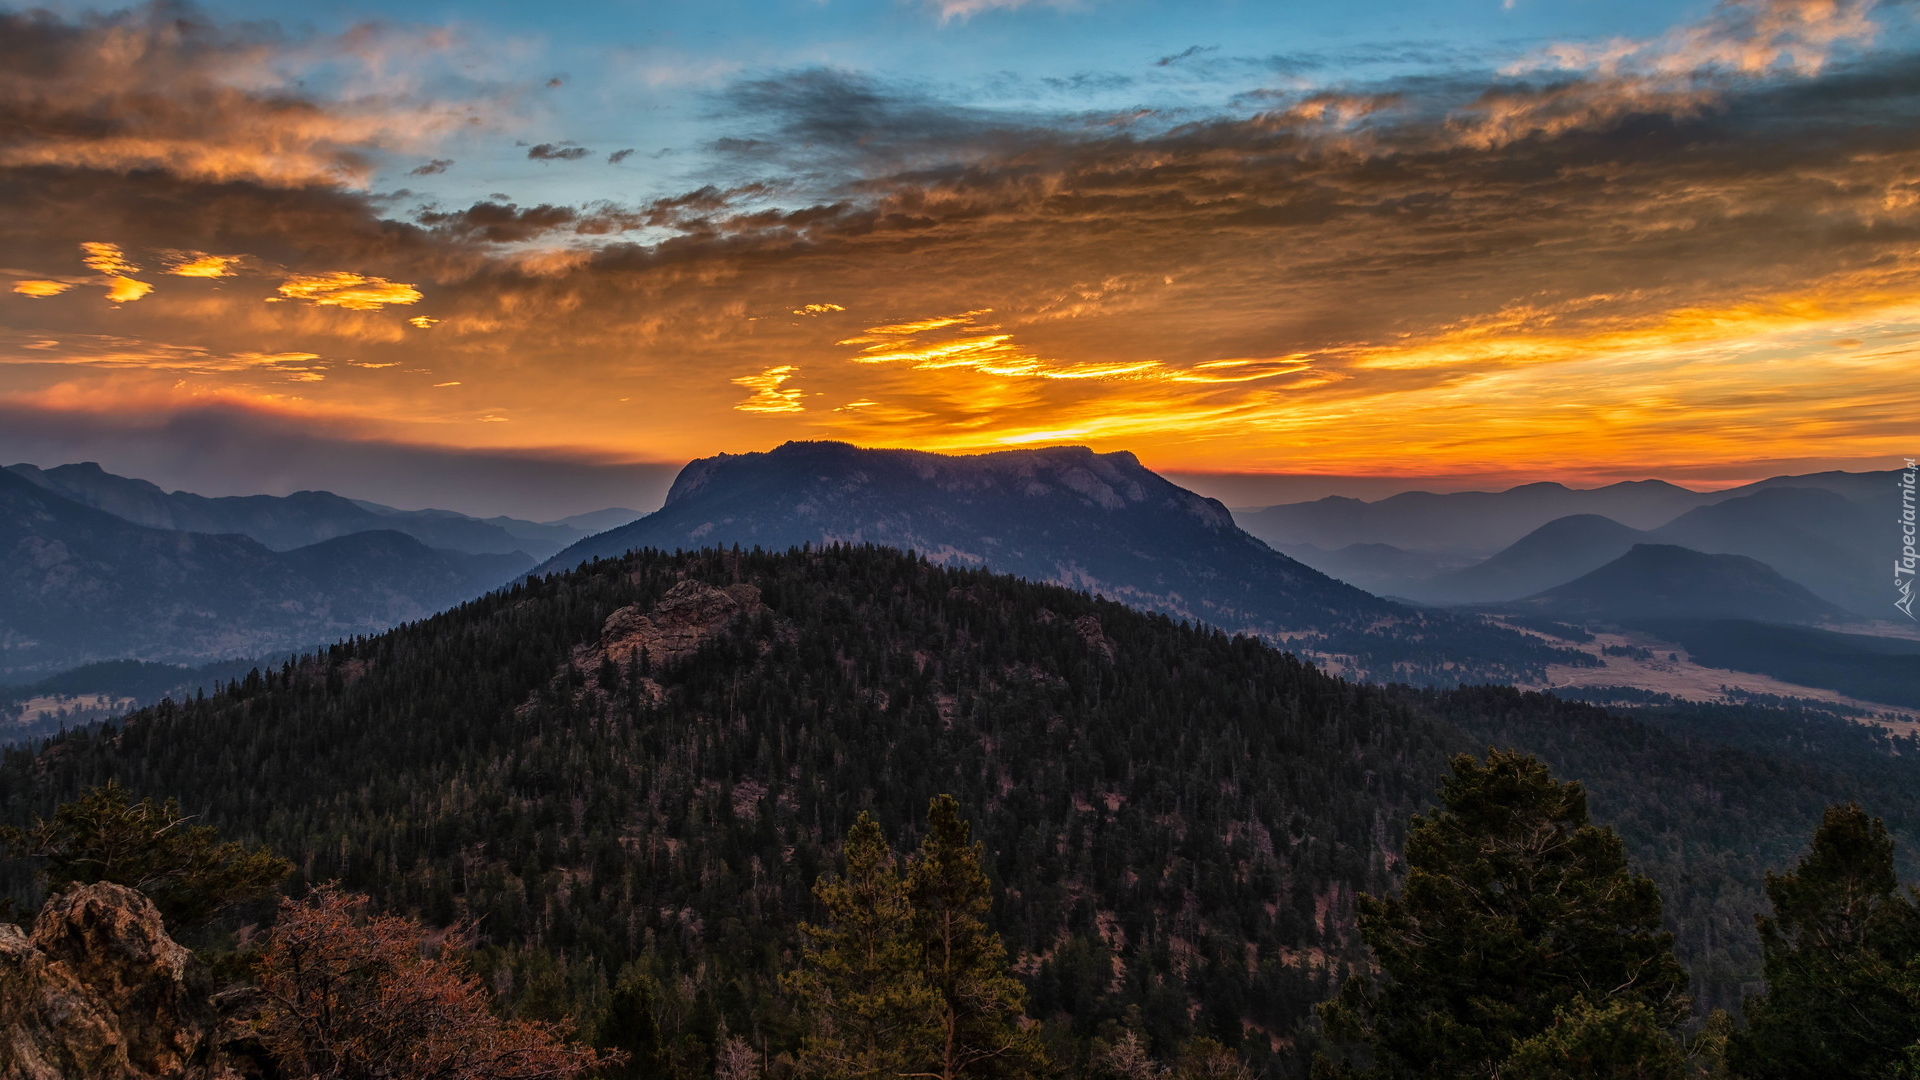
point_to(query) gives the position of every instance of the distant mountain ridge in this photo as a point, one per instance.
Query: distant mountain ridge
(285, 522)
(1662, 581)
(78, 584)
(1099, 522)
(1484, 522)
(1812, 536)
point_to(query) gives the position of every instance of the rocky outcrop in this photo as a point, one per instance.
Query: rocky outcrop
(687, 617)
(99, 991)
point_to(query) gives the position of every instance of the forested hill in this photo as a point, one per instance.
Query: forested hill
(632, 775)
(1100, 522)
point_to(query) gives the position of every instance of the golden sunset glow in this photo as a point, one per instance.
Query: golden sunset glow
(768, 394)
(107, 258)
(125, 290)
(41, 288)
(199, 264)
(355, 292)
(1677, 254)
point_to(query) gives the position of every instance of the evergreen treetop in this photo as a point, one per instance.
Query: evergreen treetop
(1515, 908)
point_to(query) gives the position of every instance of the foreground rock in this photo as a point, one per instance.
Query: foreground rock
(99, 991)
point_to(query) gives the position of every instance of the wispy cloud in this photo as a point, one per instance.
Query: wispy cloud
(770, 394)
(1640, 250)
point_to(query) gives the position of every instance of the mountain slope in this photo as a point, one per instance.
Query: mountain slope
(1099, 522)
(1661, 581)
(1553, 554)
(287, 522)
(79, 584)
(1812, 536)
(638, 770)
(1836, 547)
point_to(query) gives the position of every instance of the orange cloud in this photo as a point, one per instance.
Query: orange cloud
(107, 258)
(125, 290)
(41, 288)
(769, 396)
(355, 292)
(199, 264)
(153, 88)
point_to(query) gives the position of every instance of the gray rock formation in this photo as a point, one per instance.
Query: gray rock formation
(99, 991)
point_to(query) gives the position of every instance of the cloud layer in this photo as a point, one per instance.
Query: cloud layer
(1674, 253)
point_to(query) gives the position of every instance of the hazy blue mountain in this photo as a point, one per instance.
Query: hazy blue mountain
(285, 522)
(1838, 547)
(1381, 569)
(1661, 581)
(78, 584)
(1481, 522)
(1812, 536)
(1553, 554)
(1100, 522)
(596, 521)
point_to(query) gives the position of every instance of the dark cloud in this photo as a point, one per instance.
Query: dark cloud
(432, 168)
(1187, 53)
(500, 223)
(619, 156)
(557, 152)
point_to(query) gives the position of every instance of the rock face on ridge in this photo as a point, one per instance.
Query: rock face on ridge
(1102, 523)
(1099, 522)
(687, 617)
(100, 991)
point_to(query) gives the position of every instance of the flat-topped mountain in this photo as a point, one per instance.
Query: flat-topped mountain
(1099, 522)
(1661, 581)
(79, 584)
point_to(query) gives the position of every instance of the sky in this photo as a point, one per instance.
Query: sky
(531, 258)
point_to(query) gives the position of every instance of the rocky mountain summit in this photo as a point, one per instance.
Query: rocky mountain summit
(1102, 523)
(99, 990)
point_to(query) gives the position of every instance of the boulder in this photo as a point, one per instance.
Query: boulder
(99, 991)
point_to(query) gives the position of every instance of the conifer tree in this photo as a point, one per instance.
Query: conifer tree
(188, 872)
(1836, 948)
(871, 1014)
(1517, 911)
(965, 962)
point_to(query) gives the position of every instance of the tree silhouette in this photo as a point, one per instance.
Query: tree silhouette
(871, 1012)
(1838, 946)
(964, 961)
(1516, 912)
(185, 869)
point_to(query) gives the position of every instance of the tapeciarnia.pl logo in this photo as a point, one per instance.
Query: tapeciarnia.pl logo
(1904, 565)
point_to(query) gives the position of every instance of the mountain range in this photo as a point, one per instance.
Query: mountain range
(127, 589)
(1661, 581)
(309, 517)
(1099, 522)
(1814, 535)
(1480, 523)
(79, 584)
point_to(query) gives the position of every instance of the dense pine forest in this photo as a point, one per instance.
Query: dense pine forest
(632, 776)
